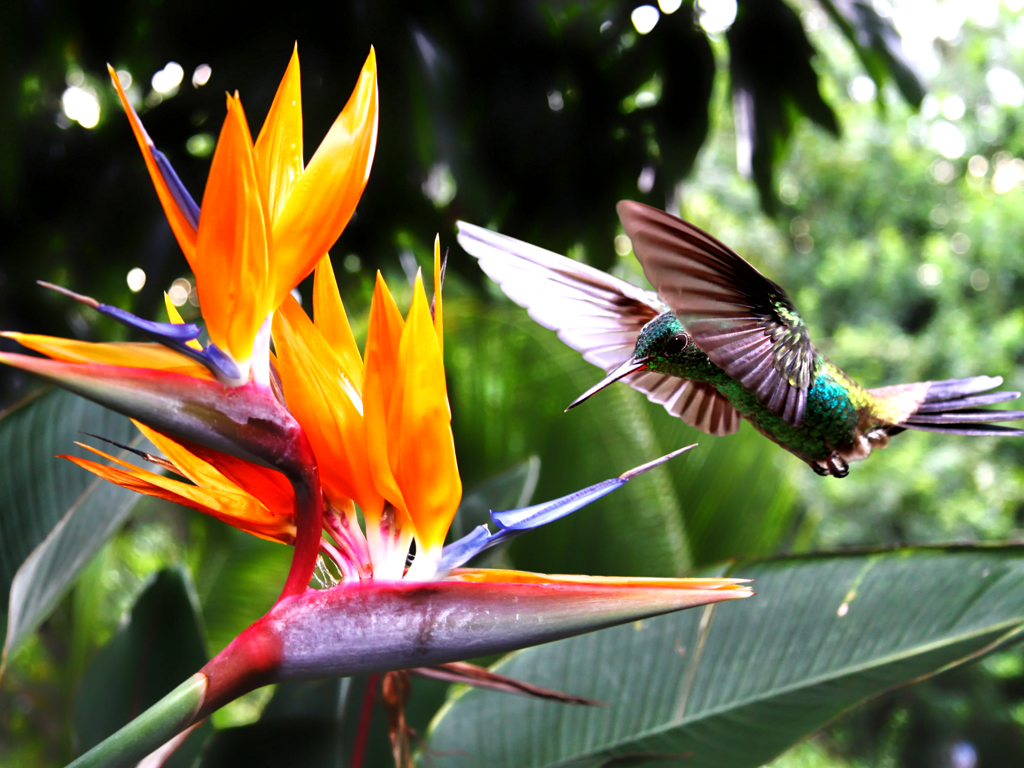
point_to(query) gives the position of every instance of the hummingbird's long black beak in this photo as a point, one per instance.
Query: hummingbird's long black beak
(628, 367)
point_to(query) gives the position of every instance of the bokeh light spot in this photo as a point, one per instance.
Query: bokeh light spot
(166, 81)
(645, 18)
(201, 75)
(82, 105)
(136, 279)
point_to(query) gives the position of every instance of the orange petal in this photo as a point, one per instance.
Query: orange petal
(180, 225)
(279, 145)
(327, 404)
(420, 443)
(269, 486)
(383, 337)
(332, 322)
(214, 470)
(501, 575)
(174, 316)
(438, 310)
(237, 508)
(231, 264)
(188, 464)
(325, 196)
(128, 354)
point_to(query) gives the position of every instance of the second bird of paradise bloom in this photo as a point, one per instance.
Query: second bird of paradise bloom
(290, 456)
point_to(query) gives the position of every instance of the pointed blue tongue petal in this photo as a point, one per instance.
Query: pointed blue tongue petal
(171, 335)
(513, 522)
(541, 514)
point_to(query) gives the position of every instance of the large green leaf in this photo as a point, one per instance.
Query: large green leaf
(54, 516)
(734, 685)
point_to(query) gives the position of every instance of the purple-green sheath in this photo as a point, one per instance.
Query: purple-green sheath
(245, 421)
(378, 626)
(375, 626)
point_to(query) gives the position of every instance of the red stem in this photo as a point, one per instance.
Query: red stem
(309, 513)
(365, 716)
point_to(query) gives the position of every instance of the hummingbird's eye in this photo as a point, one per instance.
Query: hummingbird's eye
(677, 344)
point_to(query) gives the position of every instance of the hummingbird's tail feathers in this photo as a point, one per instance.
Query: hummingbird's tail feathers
(968, 402)
(952, 406)
(992, 430)
(947, 389)
(592, 312)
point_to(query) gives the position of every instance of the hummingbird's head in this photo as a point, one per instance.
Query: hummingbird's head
(658, 341)
(662, 339)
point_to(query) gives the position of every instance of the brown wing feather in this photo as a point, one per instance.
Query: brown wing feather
(743, 321)
(698, 404)
(596, 314)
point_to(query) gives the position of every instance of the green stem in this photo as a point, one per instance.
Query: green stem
(150, 730)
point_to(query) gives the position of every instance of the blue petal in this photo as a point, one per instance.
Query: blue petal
(218, 361)
(171, 335)
(513, 522)
(174, 336)
(541, 514)
(178, 192)
(180, 332)
(462, 551)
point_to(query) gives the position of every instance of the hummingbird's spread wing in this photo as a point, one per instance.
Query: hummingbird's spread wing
(741, 320)
(695, 402)
(596, 314)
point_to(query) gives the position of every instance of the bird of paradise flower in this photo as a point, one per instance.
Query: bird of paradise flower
(287, 445)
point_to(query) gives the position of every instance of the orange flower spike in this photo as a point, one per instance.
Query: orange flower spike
(328, 405)
(213, 469)
(332, 322)
(220, 499)
(183, 229)
(325, 195)
(232, 259)
(438, 313)
(420, 443)
(383, 337)
(278, 147)
(129, 354)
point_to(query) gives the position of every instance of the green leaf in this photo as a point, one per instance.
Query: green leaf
(734, 685)
(55, 516)
(772, 80)
(878, 46)
(161, 645)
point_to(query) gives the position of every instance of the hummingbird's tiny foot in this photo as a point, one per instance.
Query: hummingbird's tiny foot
(837, 465)
(819, 469)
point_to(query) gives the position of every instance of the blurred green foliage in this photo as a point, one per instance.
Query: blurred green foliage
(900, 249)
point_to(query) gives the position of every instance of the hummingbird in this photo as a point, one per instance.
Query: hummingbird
(717, 342)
